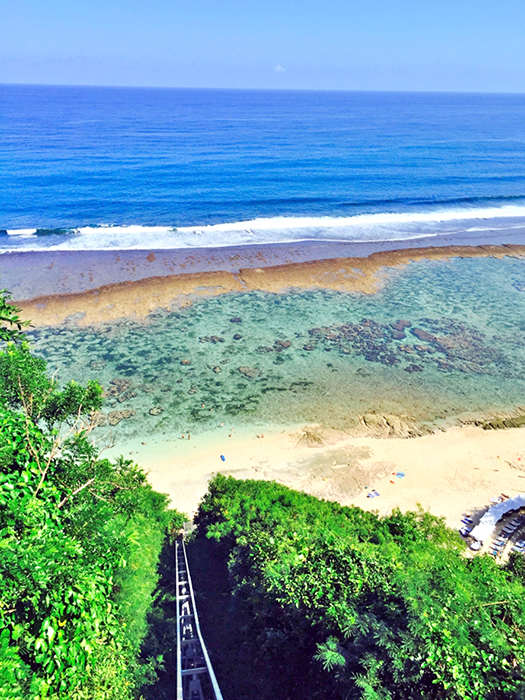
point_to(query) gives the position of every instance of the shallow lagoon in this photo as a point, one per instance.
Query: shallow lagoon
(317, 356)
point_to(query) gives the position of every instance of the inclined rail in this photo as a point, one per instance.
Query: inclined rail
(195, 677)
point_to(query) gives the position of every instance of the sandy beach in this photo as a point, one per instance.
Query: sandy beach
(449, 472)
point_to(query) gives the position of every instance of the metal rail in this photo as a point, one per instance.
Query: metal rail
(195, 677)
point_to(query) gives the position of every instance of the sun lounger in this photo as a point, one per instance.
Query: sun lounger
(372, 494)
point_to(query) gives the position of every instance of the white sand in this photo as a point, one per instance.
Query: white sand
(448, 473)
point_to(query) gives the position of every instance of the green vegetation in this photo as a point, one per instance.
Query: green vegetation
(80, 539)
(299, 597)
(24, 384)
(339, 603)
(11, 325)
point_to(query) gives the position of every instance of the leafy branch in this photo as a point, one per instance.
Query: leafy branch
(11, 325)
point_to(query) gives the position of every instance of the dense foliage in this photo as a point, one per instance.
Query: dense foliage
(80, 538)
(24, 383)
(11, 325)
(345, 604)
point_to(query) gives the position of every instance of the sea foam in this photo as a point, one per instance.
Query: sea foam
(375, 227)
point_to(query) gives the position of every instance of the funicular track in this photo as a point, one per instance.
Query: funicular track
(195, 677)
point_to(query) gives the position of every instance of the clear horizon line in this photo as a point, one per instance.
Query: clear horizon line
(256, 89)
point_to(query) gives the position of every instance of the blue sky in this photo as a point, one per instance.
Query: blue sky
(465, 45)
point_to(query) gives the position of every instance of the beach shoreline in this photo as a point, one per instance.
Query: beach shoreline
(448, 472)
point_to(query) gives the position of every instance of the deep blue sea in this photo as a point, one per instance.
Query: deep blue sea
(95, 168)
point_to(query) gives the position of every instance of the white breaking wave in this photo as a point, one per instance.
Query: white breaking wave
(282, 229)
(282, 222)
(22, 232)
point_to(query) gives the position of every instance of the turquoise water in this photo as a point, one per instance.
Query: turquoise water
(317, 356)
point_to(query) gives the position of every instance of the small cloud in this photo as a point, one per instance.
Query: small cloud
(279, 69)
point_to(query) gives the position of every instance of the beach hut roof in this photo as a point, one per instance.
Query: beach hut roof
(488, 522)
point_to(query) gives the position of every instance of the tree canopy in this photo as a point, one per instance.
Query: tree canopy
(337, 602)
(80, 538)
(11, 325)
(345, 604)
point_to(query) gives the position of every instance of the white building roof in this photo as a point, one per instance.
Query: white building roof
(488, 522)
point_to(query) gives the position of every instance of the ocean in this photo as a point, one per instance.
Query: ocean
(86, 168)
(106, 169)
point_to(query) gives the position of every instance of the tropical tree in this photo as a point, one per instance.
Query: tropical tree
(345, 604)
(80, 538)
(11, 325)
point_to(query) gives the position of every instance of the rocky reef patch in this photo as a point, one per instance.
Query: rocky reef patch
(442, 340)
(446, 343)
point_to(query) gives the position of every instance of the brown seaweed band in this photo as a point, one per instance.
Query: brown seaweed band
(139, 298)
